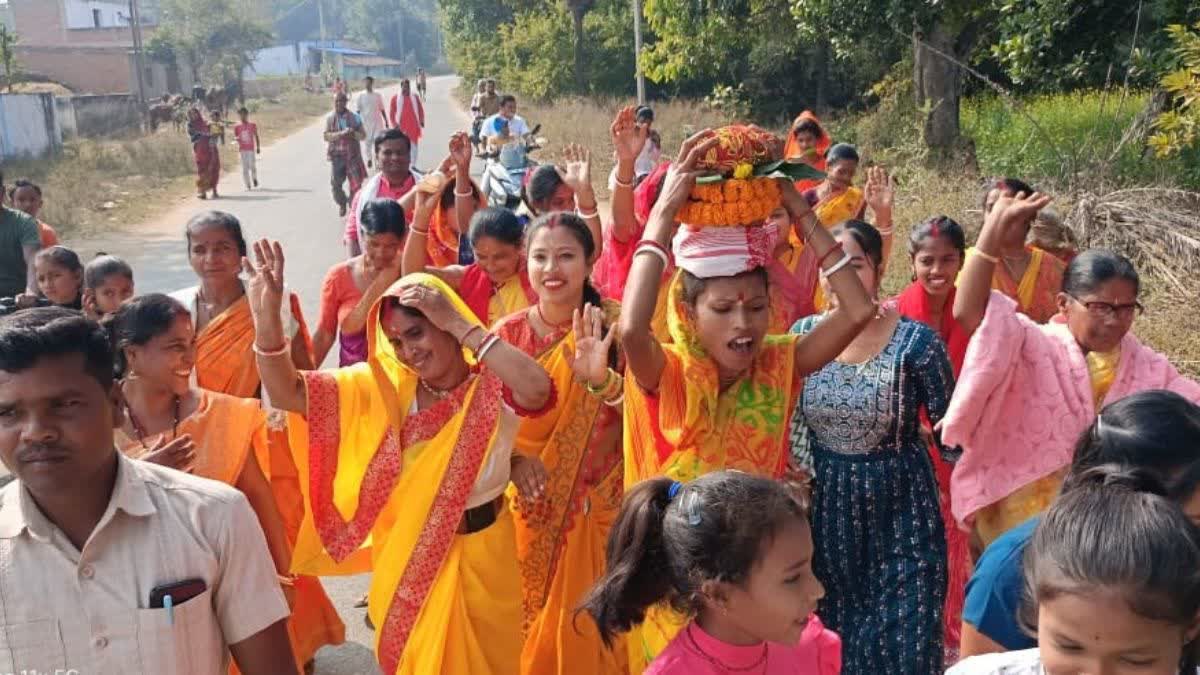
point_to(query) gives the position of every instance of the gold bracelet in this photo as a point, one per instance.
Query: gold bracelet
(986, 256)
(598, 390)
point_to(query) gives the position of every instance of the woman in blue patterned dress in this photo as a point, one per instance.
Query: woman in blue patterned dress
(879, 542)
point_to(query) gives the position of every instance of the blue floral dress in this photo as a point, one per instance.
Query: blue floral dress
(880, 547)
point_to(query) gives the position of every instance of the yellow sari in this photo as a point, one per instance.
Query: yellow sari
(386, 490)
(561, 537)
(689, 428)
(840, 207)
(1034, 498)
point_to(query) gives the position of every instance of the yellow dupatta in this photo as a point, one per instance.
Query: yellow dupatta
(1034, 498)
(561, 537)
(689, 428)
(840, 207)
(386, 489)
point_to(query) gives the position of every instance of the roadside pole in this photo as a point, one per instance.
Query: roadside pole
(637, 51)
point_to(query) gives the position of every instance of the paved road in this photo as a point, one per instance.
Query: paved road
(293, 205)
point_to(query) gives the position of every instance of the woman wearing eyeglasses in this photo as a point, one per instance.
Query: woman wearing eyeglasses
(1026, 391)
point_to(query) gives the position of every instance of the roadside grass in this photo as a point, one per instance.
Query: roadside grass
(117, 182)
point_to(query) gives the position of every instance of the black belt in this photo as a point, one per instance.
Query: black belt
(481, 517)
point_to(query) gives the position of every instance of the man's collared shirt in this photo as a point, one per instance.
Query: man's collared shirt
(89, 610)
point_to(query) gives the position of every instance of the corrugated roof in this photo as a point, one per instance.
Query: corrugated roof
(371, 60)
(343, 50)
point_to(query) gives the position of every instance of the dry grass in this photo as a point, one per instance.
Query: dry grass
(121, 181)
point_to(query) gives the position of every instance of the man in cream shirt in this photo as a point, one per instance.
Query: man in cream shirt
(91, 542)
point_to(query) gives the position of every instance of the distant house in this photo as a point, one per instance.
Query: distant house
(308, 56)
(86, 45)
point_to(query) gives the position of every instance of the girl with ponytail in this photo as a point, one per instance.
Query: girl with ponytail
(1112, 583)
(733, 552)
(567, 465)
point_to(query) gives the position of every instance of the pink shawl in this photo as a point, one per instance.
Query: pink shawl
(1023, 398)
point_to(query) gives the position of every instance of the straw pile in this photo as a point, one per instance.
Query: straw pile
(1157, 228)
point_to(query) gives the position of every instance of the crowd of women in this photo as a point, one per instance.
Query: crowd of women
(567, 445)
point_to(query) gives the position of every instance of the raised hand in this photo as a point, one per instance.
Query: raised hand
(436, 308)
(577, 171)
(1017, 212)
(592, 345)
(460, 151)
(880, 191)
(628, 138)
(681, 177)
(178, 453)
(264, 288)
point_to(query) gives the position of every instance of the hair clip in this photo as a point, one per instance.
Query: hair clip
(691, 506)
(674, 489)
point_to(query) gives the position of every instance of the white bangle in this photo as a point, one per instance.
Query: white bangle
(464, 194)
(275, 352)
(835, 267)
(620, 183)
(616, 402)
(885, 233)
(657, 253)
(483, 349)
(586, 216)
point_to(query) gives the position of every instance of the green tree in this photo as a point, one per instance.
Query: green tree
(217, 37)
(8, 56)
(1178, 129)
(402, 29)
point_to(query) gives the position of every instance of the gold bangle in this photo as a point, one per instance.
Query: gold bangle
(986, 256)
(598, 390)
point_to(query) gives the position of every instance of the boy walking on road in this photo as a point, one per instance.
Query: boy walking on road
(249, 146)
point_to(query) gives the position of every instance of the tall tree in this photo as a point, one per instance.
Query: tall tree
(217, 37)
(8, 56)
(578, 10)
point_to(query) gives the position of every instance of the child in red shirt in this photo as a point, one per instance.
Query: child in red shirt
(248, 146)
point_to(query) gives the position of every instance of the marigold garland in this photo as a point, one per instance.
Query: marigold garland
(732, 203)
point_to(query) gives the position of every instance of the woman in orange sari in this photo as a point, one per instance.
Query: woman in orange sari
(720, 396)
(571, 456)
(1027, 274)
(807, 142)
(404, 460)
(173, 422)
(225, 364)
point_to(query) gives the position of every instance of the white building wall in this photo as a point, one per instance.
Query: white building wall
(278, 61)
(79, 13)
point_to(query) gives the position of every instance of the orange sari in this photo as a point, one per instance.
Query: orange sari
(1036, 292)
(225, 363)
(561, 538)
(689, 428)
(226, 429)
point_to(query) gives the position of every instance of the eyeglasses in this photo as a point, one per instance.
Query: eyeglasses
(1105, 310)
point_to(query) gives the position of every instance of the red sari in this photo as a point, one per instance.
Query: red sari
(914, 303)
(205, 154)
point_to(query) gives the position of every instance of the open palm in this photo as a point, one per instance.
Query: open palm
(578, 170)
(264, 288)
(590, 362)
(628, 137)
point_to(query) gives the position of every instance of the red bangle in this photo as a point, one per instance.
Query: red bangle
(837, 246)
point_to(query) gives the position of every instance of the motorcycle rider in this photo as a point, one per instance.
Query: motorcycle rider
(505, 126)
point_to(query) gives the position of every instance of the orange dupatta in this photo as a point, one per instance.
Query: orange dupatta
(815, 157)
(561, 537)
(1037, 291)
(386, 489)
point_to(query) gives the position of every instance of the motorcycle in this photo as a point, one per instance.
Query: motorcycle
(506, 170)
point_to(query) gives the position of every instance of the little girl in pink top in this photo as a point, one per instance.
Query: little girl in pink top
(731, 551)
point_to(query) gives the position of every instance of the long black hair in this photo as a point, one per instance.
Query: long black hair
(1096, 266)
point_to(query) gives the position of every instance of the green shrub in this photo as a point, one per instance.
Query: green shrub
(1077, 137)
